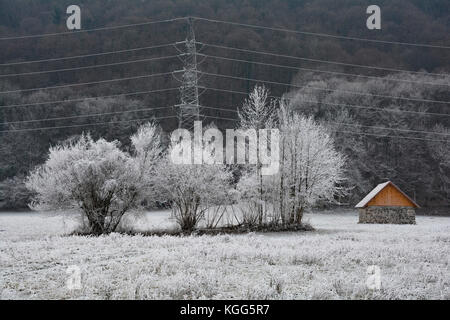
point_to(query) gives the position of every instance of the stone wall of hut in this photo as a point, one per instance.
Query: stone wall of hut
(397, 215)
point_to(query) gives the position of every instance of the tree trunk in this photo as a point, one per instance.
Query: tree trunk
(299, 215)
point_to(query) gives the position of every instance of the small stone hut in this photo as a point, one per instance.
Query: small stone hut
(387, 204)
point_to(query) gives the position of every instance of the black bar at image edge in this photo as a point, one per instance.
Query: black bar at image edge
(219, 309)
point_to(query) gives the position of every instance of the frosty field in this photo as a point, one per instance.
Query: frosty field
(329, 263)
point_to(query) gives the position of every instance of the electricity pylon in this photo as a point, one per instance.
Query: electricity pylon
(189, 108)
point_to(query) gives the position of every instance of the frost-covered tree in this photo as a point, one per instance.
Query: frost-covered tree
(95, 177)
(311, 170)
(258, 112)
(148, 151)
(192, 188)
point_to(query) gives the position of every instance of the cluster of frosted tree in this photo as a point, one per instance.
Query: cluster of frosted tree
(310, 169)
(103, 182)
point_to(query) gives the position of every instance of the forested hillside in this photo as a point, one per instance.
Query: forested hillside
(325, 82)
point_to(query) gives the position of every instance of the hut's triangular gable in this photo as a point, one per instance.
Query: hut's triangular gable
(372, 194)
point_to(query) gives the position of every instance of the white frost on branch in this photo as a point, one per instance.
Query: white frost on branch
(192, 188)
(96, 177)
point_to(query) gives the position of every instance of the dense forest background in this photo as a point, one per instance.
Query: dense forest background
(420, 165)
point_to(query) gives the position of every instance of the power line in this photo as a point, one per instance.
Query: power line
(86, 67)
(87, 55)
(221, 118)
(316, 34)
(87, 124)
(82, 116)
(355, 133)
(358, 125)
(322, 71)
(42, 35)
(390, 136)
(321, 89)
(88, 98)
(389, 128)
(213, 108)
(321, 61)
(220, 109)
(88, 83)
(348, 124)
(98, 114)
(342, 104)
(223, 22)
(213, 117)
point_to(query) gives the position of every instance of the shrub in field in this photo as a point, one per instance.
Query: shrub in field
(95, 177)
(192, 188)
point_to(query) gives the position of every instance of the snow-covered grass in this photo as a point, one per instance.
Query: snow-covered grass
(329, 263)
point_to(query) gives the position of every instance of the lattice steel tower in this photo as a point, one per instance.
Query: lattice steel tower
(189, 108)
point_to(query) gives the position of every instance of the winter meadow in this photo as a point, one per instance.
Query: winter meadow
(221, 237)
(215, 151)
